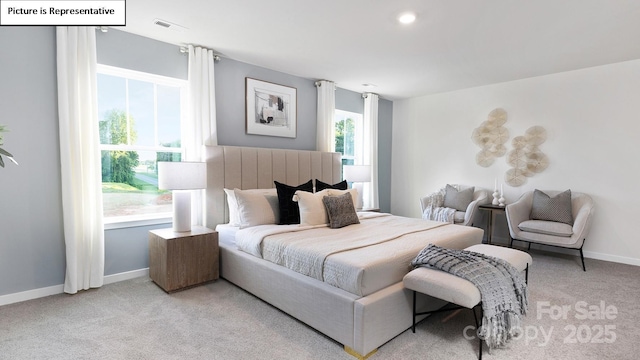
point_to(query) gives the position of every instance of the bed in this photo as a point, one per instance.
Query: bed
(362, 317)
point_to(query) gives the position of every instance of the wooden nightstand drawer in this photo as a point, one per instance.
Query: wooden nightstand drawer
(182, 260)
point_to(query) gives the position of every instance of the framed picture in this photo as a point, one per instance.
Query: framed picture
(271, 109)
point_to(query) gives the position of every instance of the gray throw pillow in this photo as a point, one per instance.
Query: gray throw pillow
(340, 210)
(458, 200)
(557, 208)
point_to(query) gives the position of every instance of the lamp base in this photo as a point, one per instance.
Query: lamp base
(359, 200)
(181, 210)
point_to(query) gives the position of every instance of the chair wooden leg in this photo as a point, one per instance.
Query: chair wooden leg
(582, 258)
(510, 242)
(529, 246)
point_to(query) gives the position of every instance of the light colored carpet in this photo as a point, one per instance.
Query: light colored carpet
(135, 319)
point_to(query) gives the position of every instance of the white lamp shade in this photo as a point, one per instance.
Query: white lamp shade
(357, 173)
(182, 175)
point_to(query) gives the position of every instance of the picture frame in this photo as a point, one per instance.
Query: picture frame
(271, 109)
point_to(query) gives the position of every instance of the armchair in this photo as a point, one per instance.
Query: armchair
(551, 233)
(465, 217)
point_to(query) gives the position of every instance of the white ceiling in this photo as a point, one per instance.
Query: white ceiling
(453, 44)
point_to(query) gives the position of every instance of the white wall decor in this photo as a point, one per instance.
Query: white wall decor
(491, 136)
(526, 159)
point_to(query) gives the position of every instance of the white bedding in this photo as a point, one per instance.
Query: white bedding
(361, 258)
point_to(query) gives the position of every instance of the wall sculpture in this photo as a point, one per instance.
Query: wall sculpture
(526, 159)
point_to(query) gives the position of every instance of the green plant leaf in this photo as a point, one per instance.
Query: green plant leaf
(4, 152)
(1, 162)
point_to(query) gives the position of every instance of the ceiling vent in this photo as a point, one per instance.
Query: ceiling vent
(169, 25)
(161, 23)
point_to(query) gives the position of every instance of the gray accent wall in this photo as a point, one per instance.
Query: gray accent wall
(350, 101)
(385, 125)
(32, 251)
(133, 52)
(31, 231)
(230, 106)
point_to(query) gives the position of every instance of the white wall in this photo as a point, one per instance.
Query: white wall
(592, 117)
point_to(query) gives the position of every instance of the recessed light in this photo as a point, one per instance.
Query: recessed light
(369, 85)
(407, 18)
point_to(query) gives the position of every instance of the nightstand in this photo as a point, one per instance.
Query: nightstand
(180, 260)
(492, 209)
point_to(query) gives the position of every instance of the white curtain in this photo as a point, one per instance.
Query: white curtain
(370, 190)
(199, 128)
(80, 158)
(325, 138)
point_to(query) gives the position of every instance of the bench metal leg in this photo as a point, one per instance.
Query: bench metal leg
(478, 322)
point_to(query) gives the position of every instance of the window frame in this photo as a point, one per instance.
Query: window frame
(358, 139)
(117, 222)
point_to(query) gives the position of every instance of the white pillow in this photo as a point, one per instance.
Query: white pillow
(353, 192)
(232, 203)
(312, 210)
(256, 207)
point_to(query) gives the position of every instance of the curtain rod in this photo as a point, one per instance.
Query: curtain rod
(318, 83)
(185, 50)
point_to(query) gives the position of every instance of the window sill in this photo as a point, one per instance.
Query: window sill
(136, 221)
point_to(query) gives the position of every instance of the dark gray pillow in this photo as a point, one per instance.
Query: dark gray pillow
(557, 208)
(340, 210)
(458, 200)
(289, 210)
(320, 185)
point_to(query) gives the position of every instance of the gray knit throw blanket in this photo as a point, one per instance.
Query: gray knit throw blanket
(502, 288)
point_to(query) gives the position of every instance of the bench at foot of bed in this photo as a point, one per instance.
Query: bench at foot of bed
(456, 290)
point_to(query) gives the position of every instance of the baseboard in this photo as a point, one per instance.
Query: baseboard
(59, 289)
(611, 258)
(110, 279)
(31, 294)
(574, 252)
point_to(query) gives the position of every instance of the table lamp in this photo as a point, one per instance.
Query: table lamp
(182, 177)
(357, 174)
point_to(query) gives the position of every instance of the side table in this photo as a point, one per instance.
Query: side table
(493, 209)
(180, 260)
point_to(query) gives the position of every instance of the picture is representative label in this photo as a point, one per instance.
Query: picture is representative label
(63, 13)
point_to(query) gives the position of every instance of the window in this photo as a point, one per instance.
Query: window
(349, 137)
(140, 117)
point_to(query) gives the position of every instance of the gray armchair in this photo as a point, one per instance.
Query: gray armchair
(552, 233)
(465, 218)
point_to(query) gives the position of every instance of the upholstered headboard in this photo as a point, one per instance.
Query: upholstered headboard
(256, 168)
